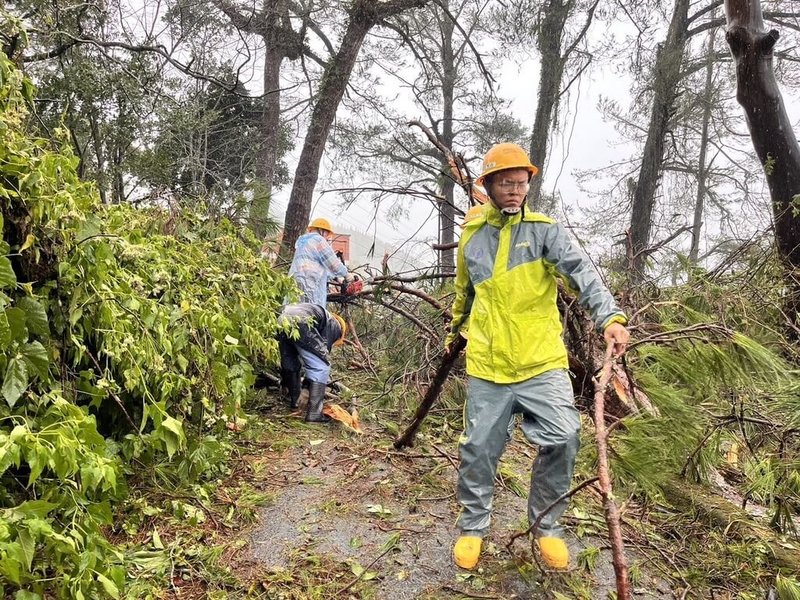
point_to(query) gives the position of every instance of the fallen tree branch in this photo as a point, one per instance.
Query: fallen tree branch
(676, 334)
(364, 572)
(411, 279)
(609, 506)
(358, 346)
(452, 588)
(422, 296)
(403, 312)
(535, 526)
(432, 394)
(731, 520)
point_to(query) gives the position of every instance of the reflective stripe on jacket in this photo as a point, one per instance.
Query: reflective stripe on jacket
(314, 263)
(506, 287)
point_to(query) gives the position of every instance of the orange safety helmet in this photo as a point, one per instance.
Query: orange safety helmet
(501, 157)
(320, 223)
(343, 325)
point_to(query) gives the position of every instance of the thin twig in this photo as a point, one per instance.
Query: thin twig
(451, 588)
(535, 526)
(364, 572)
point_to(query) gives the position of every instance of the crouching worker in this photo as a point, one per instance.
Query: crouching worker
(317, 332)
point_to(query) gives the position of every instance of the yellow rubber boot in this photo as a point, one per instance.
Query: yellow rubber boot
(554, 552)
(466, 551)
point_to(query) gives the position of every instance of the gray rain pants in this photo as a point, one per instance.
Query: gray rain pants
(549, 419)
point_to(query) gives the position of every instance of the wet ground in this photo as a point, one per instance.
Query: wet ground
(389, 517)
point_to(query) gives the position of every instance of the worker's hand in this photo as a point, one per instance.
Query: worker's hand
(617, 335)
(349, 277)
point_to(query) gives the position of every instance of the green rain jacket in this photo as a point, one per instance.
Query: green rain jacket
(506, 288)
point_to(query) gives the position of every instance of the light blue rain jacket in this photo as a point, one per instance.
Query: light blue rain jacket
(314, 264)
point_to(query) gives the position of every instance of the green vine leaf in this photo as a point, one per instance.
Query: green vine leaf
(8, 279)
(15, 381)
(35, 356)
(35, 316)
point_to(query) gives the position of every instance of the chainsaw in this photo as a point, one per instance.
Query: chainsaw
(351, 288)
(346, 291)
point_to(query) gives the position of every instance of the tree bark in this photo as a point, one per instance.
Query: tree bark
(733, 522)
(363, 15)
(97, 142)
(665, 83)
(271, 127)
(552, 70)
(447, 213)
(770, 128)
(702, 168)
(604, 474)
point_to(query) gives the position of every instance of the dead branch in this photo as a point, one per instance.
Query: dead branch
(422, 296)
(358, 346)
(443, 247)
(414, 278)
(466, 594)
(402, 312)
(662, 243)
(431, 137)
(364, 572)
(609, 506)
(432, 394)
(535, 526)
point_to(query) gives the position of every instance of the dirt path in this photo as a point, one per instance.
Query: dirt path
(352, 518)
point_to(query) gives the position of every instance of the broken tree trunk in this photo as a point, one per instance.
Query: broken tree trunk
(770, 130)
(732, 520)
(435, 388)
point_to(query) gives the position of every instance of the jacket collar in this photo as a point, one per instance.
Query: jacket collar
(497, 219)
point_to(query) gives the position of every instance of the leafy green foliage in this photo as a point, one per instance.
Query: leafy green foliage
(724, 383)
(126, 337)
(788, 588)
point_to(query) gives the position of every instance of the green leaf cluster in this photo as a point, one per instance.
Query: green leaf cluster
(127, 337)
(728, 394)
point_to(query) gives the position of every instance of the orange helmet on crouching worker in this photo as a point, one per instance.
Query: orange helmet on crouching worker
(343, 325)
(320, 223)
(502, 157)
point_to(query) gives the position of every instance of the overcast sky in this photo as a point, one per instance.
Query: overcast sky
(584, 142)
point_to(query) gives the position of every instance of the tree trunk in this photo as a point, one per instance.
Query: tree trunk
(770, 128)
(274, 26)
(118, 184)
(363, 15)
(99, 157)
(447, 212)
(665, 83)
(730, 520)
(549, 43)
(271, 127)
(702, 168)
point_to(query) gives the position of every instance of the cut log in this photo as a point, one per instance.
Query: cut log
(732, 520)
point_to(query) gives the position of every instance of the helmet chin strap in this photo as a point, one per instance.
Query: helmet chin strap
(508, 210)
